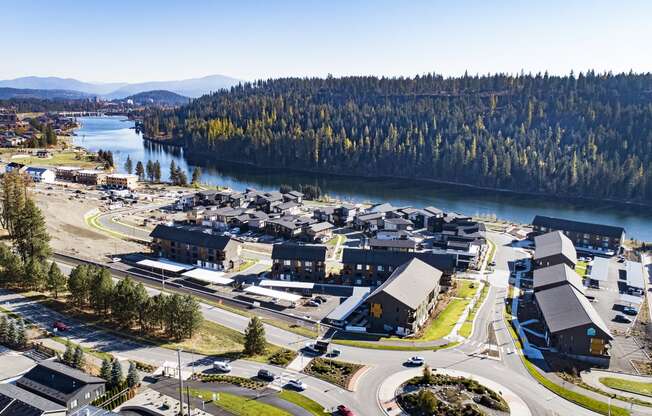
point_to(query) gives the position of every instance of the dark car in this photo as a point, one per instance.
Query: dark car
(266, 375)
(60, 326)
(623, 319)
(344, 410)
(320, 298)
(630, 310)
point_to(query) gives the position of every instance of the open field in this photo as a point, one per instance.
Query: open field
(65, 158)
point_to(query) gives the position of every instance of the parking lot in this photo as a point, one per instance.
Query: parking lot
(610, 307)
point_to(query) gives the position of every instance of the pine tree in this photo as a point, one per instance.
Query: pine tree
(157, 171)
(79, 285)
(196, 175)
(173, 172)
(255, 342)
(30, 234)
(105, 370)
(68, 354)
(11, 333)
(56, 281)
(78, 360)
(21, 334)
(129, 166)
(133, 378)
(150, 171)
(101, 289)
(35, 277)
(181, 178)
(140, 171)
(116, 378)
(4, 326)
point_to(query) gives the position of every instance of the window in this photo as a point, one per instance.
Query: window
(87, 395)
(73, 404)
(358, 266)
(307, 263)
(287, 262)
(380, 268)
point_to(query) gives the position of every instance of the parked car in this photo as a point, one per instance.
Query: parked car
(312, 303)
(629, 310)
(415, 361)
(320, 298)
(344, 410)
(222, 366)
(623, 319)
(297, 384)
(60, 326)
(266, 375)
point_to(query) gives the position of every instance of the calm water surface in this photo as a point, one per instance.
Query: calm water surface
(117, 134)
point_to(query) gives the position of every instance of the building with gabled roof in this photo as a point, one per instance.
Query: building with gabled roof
(554, 248)
(16, 401)
(403, 303)
(62, 385)
(557, 275)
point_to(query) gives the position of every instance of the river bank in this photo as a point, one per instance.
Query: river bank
(115, 134)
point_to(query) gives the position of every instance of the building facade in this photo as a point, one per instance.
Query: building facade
(121, 181)
(299, 262)
(583, 234)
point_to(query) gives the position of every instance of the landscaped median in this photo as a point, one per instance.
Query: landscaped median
(631, 386)
(335, 372)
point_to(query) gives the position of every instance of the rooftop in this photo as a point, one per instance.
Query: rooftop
(410, 283)
(299, 252)
(442, 261)
(555, 275)
(25, 402)
(554, 243)
(193, 237)
(577, 226)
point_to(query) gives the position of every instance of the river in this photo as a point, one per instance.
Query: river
(117, 134)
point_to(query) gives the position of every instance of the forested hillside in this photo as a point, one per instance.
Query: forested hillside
(588, 135)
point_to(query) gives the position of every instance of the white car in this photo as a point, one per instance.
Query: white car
(297, 384)
(416, 361)
(222, 366)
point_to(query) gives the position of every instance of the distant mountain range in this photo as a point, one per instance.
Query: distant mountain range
(53, 94)
(194, 87)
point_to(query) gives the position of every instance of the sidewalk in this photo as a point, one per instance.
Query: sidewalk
(454, 334)
(592, 378)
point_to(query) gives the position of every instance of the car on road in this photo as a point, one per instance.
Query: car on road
(334, 353)
(415, 361)
(630, 310)
(222, 366)
(116, 260)
(297, 384)
(60, 326)
(266, 375)
(344, 410)
(623, 319)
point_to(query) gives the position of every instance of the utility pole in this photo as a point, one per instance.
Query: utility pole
(180, 383)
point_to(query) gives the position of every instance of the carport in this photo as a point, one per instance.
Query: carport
(339, 315)
(274, 294)
(164, 265)
(208, 276)
(635, 283)
(599, 271)
(303, 287)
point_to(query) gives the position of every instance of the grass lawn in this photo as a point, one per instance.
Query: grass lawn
(333, 241)
(241, 406)
(66, 158)
(580, 268)
(90, 351)
(637, 387)
(445, 321)
(467, 326)
(466, 288)
(247, 263)
(377, 346)
(492, 251)
(302, 401)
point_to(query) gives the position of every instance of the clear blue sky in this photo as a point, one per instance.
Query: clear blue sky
(139, 40)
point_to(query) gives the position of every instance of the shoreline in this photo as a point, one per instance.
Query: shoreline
(570, 198)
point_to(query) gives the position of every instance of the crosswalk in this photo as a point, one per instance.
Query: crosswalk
(481, 346)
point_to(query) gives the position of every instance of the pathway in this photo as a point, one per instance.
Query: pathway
(592, 378)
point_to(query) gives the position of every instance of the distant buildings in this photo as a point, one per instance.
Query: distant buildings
(403, 303)
(196, 247)
(91, 177)
(121, 181)
(41, 174)
(583, 234)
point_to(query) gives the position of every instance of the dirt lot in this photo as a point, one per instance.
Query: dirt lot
(68, 230)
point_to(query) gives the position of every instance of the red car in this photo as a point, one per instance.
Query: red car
(344, 410)
(60, 326)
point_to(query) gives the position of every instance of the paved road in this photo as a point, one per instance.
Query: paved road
(509, 371)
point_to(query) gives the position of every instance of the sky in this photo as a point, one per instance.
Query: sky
(143, 40)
